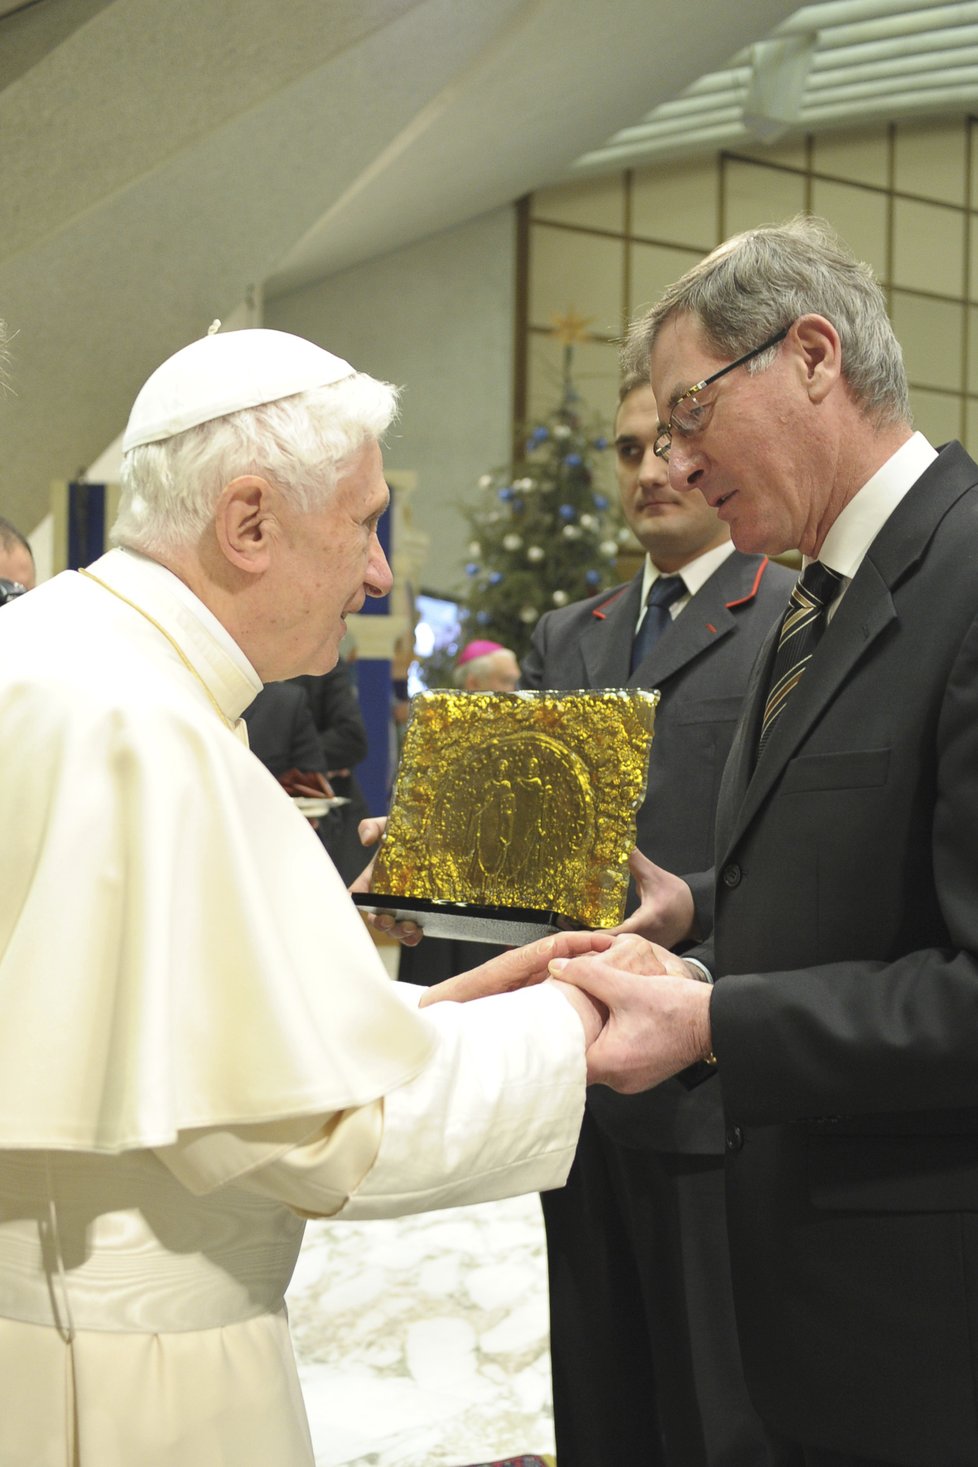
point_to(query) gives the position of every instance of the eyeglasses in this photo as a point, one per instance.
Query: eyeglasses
(689, 416)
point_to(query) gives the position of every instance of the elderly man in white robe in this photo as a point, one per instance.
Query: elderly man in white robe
(184, 1077)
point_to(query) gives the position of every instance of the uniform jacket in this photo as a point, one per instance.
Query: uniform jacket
(700, 666)
(845, 1015)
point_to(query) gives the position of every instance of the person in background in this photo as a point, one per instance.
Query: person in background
(16, 557)
(342, 737)
(486, 667)
(282, 735)
(644, 1352)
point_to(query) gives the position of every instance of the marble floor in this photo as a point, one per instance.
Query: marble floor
(423, 1342)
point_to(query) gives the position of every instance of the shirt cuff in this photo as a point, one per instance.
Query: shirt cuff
(700, 968)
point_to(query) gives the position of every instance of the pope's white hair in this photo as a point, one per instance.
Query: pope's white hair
(477, 668)
(299, 443)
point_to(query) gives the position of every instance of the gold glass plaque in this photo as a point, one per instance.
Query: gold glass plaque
(515, 808)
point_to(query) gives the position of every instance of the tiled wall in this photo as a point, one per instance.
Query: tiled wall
(905, 197)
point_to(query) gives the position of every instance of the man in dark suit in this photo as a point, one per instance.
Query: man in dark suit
(282, 735)
(646, 1366)
(342, 734)
(281, 732)
(841, 1029)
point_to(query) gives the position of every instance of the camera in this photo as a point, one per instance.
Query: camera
(10, 590)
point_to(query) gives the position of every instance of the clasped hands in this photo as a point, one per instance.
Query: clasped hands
(645, 1013)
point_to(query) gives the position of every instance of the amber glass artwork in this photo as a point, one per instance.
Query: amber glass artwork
(519, 800)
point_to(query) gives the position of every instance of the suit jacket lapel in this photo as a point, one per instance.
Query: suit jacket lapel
(606, 645)
(866, 610)
(703, 622)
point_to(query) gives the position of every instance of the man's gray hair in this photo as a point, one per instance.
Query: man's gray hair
(299, 443)
(761, 281)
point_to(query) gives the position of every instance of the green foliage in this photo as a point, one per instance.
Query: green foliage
(543, 533)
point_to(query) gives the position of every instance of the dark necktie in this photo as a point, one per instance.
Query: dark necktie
(665, 590)
(803, 625)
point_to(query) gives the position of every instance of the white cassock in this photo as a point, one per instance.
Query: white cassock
(199, 1047)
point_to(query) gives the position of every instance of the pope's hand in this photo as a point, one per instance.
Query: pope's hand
(522, 966)
(517, 968)
(409, 934)
(658, 1020)
(665, 910)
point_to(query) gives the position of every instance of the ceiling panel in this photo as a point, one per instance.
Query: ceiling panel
(842, 63)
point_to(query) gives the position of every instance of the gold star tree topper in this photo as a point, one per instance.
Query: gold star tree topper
(570, 328)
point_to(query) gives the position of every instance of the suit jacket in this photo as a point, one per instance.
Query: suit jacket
(845, 1015)
(343, 740)
(281, 732)
(336, 714)
(700, 666)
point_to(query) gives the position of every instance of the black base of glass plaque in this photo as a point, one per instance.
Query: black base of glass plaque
(507, 926)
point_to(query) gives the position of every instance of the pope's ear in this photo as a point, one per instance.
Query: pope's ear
(244, 522)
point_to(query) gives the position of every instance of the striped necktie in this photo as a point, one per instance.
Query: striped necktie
(663, 592)
(803, 625)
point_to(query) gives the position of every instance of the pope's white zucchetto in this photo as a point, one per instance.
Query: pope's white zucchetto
(224, 373)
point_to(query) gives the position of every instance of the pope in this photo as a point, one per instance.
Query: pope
(200, 1047)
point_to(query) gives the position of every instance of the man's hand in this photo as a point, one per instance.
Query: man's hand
(517, 968)
(309, 783)
(665, 911)
(409, 934)
(658, 1019)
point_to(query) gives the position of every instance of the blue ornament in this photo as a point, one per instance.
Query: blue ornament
(573, 460)
(482, 617)
(471, 568)
(538, 436)
(600, 501)
(593, 578)
(567, 512)
(506, 493)
(495, 577)
(601, 442)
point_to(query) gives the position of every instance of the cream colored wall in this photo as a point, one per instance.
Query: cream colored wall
(904, 196)
(436, 318)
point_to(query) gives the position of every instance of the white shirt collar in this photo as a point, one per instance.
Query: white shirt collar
(848, 539)
(695, 574)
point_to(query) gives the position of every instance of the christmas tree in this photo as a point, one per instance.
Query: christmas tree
(543, 533)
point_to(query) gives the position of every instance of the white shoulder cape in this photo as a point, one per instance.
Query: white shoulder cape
(176, 949)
